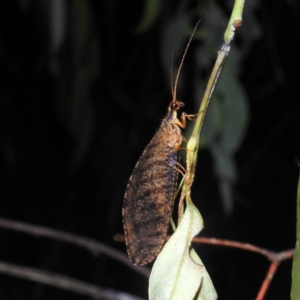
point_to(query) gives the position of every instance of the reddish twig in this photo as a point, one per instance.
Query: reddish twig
(275, 258)
(272, 256)
(89, 244)
(266, 283)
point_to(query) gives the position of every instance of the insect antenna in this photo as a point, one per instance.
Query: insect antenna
(172, 61)
(181, 63)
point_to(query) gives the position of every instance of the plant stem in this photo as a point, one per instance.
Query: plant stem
(193, 143)
(295, 292)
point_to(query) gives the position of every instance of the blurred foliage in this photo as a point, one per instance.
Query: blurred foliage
(74, 62)
(151, 12)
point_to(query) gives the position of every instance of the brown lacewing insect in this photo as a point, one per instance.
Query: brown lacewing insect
(149, 195)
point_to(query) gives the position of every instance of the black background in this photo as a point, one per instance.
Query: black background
(65, 164)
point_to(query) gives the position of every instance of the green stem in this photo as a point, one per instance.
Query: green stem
(235, 20)
(295, 292)
(193, 143)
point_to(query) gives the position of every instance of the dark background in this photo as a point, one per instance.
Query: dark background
(78, 107)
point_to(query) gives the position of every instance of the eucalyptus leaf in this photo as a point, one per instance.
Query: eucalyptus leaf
(175, 274)
(207, 290)
(234, 107)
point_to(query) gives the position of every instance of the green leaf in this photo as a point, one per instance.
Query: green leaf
(207, 290)
(175, 274)
(151, 11)
(225, 127)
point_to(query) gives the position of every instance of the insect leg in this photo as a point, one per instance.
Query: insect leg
(182, 123)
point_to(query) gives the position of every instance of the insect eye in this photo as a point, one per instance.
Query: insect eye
(174, 106)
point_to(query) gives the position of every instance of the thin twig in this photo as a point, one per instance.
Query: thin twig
(89, 244)
(64, 282)
(272, 256)
(275, 258)
(266, 283)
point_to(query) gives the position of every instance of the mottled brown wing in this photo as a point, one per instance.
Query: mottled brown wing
(148, 200)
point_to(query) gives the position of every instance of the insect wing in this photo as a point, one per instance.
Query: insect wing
(148, 200)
